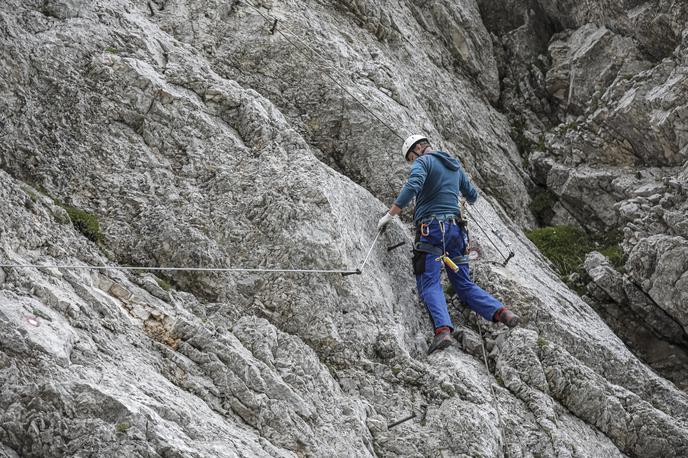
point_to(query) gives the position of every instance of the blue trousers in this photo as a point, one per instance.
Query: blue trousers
(428, 269)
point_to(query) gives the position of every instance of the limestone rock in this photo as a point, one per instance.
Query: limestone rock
(195, 137)
(659, 264)
(586, 61)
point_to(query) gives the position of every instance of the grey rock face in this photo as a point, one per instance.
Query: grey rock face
(596, 94)
(659, 264)
(657, 336)
(429, 73)
(623, 290)
(560, 381)
(176, 126)
(586, 61)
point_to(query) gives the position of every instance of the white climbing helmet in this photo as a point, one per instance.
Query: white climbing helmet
(410, 143)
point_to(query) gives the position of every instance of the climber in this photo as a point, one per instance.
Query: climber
(435, 181)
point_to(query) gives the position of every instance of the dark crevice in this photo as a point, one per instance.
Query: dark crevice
(667, 359)
(663, 313)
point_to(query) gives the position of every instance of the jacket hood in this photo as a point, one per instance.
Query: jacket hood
(448, 161)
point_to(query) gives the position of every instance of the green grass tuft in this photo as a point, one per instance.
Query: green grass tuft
(84, 222)
(518, 135)
(541, 342)
(122, 427)
(565, 246)
(572, 125)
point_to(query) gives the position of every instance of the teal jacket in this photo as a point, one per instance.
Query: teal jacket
(436, 180)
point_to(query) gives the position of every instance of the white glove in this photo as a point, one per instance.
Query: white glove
(383, 221)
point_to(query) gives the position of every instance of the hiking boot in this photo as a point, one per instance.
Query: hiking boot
(506, 316)
(442, 339)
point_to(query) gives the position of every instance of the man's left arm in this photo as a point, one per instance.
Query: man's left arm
(415, 182)
(466, 187)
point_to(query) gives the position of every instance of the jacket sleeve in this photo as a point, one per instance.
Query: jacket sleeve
(415, 182)
(466, 187)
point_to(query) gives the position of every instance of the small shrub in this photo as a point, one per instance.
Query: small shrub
(122, 427)
(573, 125)
(541, 342)
(565, 246)
(594, 105)
(84, 222)
(111, 50)
(610, 246)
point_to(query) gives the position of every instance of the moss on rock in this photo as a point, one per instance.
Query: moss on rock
(85, 222)
(566, 247)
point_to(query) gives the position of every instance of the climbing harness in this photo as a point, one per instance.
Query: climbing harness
(440, 253)
(426, 247)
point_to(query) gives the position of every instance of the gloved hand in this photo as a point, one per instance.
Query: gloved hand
(383, 221)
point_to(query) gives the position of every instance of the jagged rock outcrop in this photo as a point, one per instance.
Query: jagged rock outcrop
(197, 138)
(655, 333)
(596, 93)
(653, 216)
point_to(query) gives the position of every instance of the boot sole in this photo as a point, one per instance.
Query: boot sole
(513, 322)
(441, 346)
